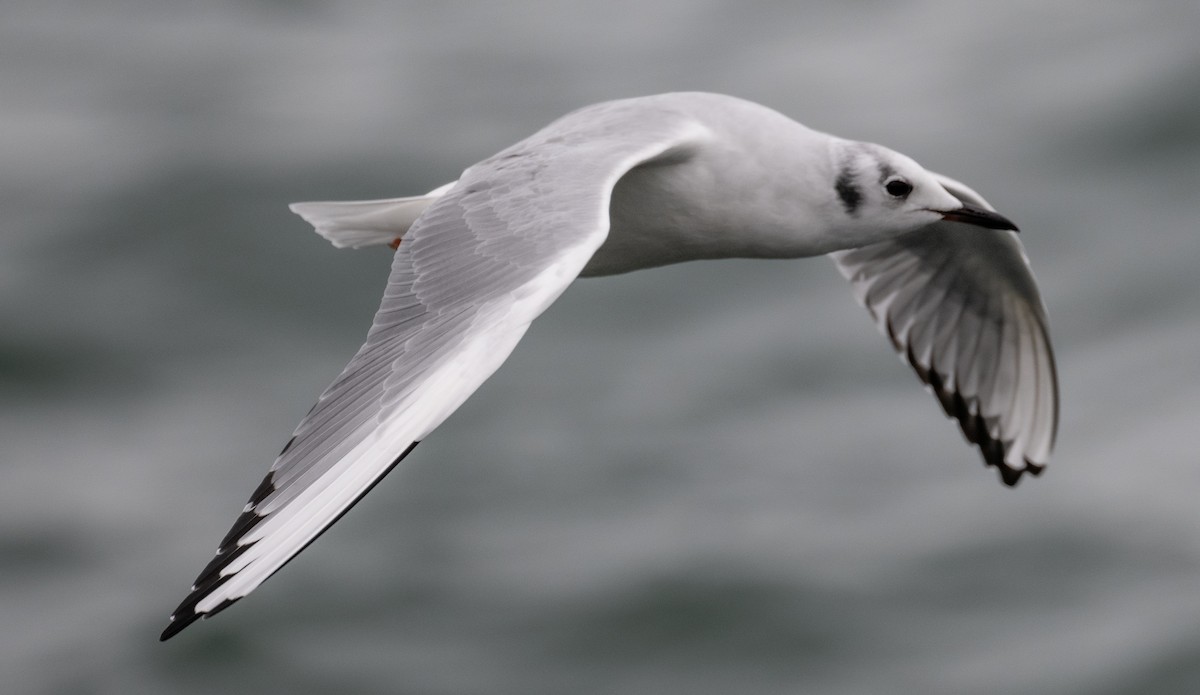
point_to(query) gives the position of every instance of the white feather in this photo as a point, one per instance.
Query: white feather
(359, 223)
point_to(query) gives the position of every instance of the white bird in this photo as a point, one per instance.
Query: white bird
(631, 184)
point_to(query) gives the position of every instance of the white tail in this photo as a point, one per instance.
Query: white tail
(359, 223)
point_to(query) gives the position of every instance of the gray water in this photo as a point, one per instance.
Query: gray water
(712, 478)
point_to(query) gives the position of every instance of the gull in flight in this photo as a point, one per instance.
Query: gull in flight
(632, 184)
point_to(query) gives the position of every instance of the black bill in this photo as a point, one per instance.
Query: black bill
(970, 214)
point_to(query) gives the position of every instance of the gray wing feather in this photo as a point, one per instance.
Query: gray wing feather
(466, 281)
(960, 304)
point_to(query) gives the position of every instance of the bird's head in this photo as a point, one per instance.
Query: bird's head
(882, 194)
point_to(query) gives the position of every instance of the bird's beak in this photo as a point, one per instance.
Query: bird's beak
(971, 214)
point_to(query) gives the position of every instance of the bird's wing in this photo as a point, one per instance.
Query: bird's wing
(961, 305)
(473, 271)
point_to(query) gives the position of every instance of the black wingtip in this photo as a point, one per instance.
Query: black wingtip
(210, 577)
(973, 425)
(994, 451)
(1011, 476)
(186, 614)
(178, 622)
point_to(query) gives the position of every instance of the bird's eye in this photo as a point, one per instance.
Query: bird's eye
(898, 188)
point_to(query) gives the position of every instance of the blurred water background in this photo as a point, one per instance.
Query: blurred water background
(712, 478)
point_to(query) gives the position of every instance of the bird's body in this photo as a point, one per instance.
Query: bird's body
(633, 184)
(678, 208)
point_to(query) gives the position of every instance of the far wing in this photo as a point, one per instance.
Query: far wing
(961, 305)
(473, 271)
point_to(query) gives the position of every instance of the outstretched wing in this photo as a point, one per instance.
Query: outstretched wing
(961, 305)
(473, 271)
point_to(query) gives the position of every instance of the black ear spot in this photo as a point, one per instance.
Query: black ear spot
(898, 187)
(848, 191)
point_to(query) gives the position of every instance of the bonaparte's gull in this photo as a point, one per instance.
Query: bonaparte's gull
(633, 184)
